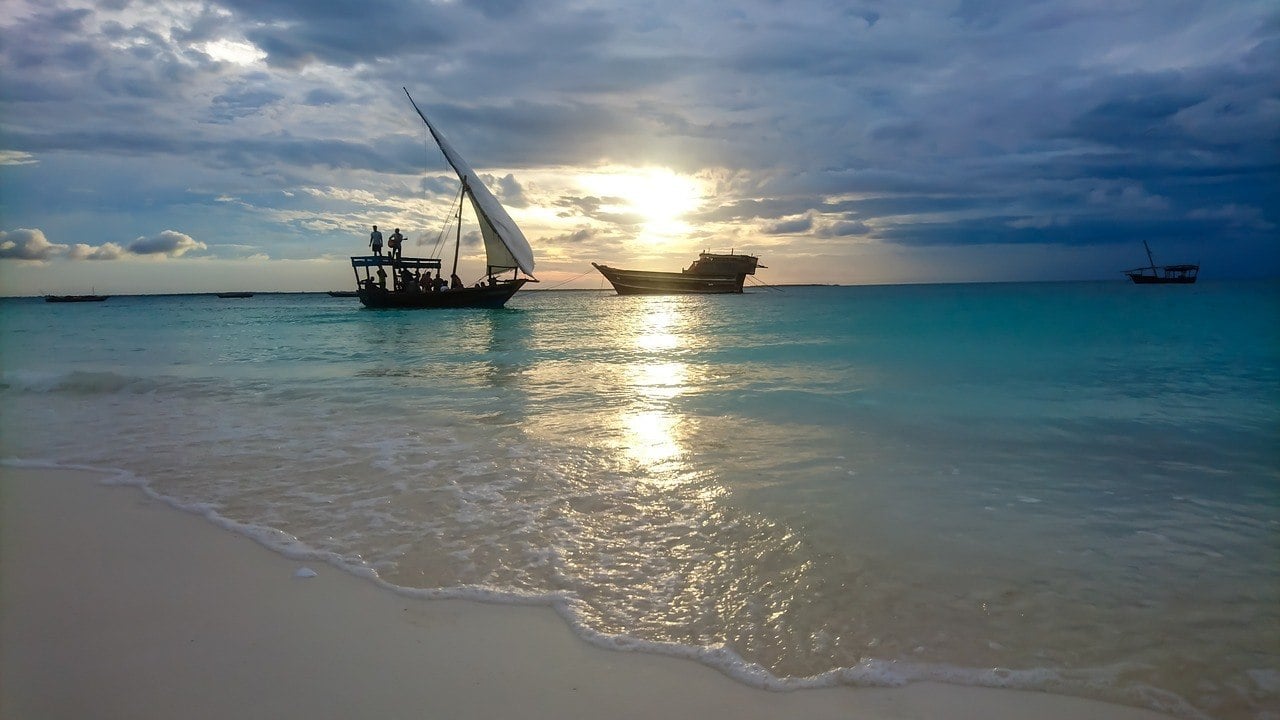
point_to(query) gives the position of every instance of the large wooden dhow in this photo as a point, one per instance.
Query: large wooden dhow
(386, 282)
(710, 274)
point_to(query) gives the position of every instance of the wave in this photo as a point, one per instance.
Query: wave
(76, 382)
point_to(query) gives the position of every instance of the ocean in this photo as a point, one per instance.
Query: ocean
(1069, 487)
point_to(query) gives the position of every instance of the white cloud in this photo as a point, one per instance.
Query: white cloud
(12, 157)
(28, 244)
(105, 251)
(169, 243)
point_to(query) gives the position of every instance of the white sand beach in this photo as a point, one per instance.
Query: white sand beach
(114, 605)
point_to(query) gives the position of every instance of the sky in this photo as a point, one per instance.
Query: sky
(250, 144)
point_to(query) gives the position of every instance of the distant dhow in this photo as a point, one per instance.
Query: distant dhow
(710, 274)
(1163, 275)
(74, 298)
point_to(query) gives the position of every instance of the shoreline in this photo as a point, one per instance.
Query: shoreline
(116, 605)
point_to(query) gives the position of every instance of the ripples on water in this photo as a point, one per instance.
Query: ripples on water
(1067, 487)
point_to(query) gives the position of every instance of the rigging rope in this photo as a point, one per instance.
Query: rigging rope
(435, 251)
(566, 282)
(763, 284)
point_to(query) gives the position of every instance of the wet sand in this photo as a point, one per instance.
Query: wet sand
(115, 605)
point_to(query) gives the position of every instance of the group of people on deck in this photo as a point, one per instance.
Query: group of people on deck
(415, 281)
(394, 243)
(426, 283)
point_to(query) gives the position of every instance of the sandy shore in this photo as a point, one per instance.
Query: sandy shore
(114, 605)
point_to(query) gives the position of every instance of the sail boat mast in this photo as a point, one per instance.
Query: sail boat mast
(1150, 259)
(457, 243)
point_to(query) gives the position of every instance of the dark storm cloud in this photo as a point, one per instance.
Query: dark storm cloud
(342, 33)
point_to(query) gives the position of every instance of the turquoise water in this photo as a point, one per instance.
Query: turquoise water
(1069, 487)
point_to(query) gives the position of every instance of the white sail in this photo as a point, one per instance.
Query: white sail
(504, 244)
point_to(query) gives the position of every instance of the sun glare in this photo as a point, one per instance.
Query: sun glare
(230, 51)
(660, 197)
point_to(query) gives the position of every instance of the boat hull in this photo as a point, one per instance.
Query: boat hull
(1155, 280)
(646, 282)
(75, 298)
(487, 296)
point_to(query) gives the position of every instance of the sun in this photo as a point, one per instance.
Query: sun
(659, 197)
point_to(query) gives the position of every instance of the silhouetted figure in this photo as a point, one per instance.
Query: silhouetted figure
(394, 244)
(375, 241)
(455, 282)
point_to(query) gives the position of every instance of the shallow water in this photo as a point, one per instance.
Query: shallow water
(1070, 487)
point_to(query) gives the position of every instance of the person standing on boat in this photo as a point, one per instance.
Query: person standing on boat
(375, 241)
(393, 244)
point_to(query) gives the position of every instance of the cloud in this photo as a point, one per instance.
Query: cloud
(30, 244)
(27, 244)
(1052, 123)
(242, 102)
(10, 157)
(105, 251)
(510, 191)
(848, 228)
(1235, 216)
(790, 227)
(169, 243)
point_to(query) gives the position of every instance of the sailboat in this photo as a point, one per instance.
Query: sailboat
(1163, 275)
(406, 282)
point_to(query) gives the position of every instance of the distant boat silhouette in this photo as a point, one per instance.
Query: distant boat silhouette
(343, 293)
(235, 295)
(1163, 275)
(710, 274)
(75, 298)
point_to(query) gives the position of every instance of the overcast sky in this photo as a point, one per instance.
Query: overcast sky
(249, 144)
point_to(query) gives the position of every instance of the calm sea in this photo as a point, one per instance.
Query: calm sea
(1068, 487)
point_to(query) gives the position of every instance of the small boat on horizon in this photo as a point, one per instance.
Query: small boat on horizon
(405, 282)
(235, 294)
(710, 274)
(75, 298)
(1163, 274)
(343, 293)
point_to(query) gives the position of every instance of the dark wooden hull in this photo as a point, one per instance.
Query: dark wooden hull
(235, 295)
(75, 298)
(343, 293)
(487, 296)
(1161, 280)
(645, 282)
